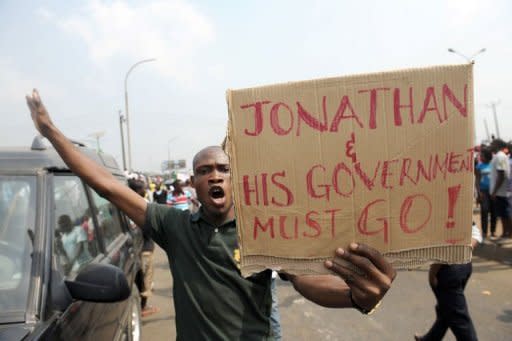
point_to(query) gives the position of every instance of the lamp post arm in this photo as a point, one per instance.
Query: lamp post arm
(131, 69)
(460, 54)
(477, 53)
(468, 59)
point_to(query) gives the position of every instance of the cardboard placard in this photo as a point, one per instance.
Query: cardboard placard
(384, 159)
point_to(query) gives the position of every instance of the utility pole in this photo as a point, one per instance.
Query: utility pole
(487, 130)
(493, 106)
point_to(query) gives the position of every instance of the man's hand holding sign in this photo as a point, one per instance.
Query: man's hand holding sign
(362, 289)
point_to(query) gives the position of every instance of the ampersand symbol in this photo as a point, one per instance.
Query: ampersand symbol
(349, 147)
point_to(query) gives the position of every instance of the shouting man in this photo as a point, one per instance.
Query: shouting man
(212, 300)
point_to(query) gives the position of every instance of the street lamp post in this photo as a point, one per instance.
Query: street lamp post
(493, 106)
(470, 59)
(487, 130)
(126, 108)
(121, 120)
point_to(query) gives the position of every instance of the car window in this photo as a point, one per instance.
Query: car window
(76, 242)
(108, 218)
(17, 218)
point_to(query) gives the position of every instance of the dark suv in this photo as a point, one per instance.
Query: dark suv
(68, 257)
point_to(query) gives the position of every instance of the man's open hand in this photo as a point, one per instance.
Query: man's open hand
(372, 278)
(38, 112)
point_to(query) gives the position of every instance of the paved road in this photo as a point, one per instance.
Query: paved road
(407, 308)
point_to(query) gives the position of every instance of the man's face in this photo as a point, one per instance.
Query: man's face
(212, 181)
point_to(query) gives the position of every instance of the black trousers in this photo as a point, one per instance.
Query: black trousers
(452, 309)
(487, 209)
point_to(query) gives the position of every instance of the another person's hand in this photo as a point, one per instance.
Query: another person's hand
(432, 281)
(38, 112)
(372, 278)
(432, 275)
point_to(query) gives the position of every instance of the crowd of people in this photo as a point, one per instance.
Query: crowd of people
(493, 188)
(177, 193)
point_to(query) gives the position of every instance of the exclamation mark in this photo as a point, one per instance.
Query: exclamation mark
(453, 195)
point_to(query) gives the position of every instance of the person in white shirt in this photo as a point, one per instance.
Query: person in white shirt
(500, 173)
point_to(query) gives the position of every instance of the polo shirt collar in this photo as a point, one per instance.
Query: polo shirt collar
(199, 215)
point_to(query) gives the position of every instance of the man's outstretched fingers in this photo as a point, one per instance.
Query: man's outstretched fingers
(375, 257)
(367, 267)
(37, 99)
(351, 277)
(30, 104)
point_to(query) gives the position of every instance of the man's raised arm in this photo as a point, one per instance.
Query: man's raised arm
(89, 171)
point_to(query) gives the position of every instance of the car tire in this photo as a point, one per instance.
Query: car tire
(134, 326)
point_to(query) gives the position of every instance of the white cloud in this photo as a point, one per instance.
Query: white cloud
(17, 128)
(15, 84)
(173, 31)
(45, 14)
(464, 12)
(217, 71)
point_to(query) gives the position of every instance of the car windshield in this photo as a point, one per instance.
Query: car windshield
(17, 219)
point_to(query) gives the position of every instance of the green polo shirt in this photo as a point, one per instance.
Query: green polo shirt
(211, 299)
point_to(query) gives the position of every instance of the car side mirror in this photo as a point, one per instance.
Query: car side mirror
(99, 283)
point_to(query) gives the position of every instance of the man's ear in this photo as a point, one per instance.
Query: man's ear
(192, 181)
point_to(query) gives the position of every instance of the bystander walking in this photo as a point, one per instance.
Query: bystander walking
(482, 183)
(500, 173)
(148, 247)
(448, 282)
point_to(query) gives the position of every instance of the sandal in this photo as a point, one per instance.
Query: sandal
(149, 310)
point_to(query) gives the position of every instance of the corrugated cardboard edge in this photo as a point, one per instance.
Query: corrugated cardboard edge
(402, 260)
(349, 77)
(229, 148)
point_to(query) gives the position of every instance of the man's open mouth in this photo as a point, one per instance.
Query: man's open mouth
(216, 192)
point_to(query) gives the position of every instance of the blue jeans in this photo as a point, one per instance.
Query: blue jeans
(275, 320)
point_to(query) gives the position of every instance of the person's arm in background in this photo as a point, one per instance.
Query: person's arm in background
(501, 166)
(499, 182)
(346, 286)
(476, 236)
(432, 274)
(478, 176)
(89, 171)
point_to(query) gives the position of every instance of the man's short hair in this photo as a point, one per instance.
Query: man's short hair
(136, 185)
(497, 145)
(200, 154)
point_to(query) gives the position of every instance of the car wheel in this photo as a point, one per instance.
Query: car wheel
(134, 327)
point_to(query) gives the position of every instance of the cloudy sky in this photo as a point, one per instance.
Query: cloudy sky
(77, 54)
